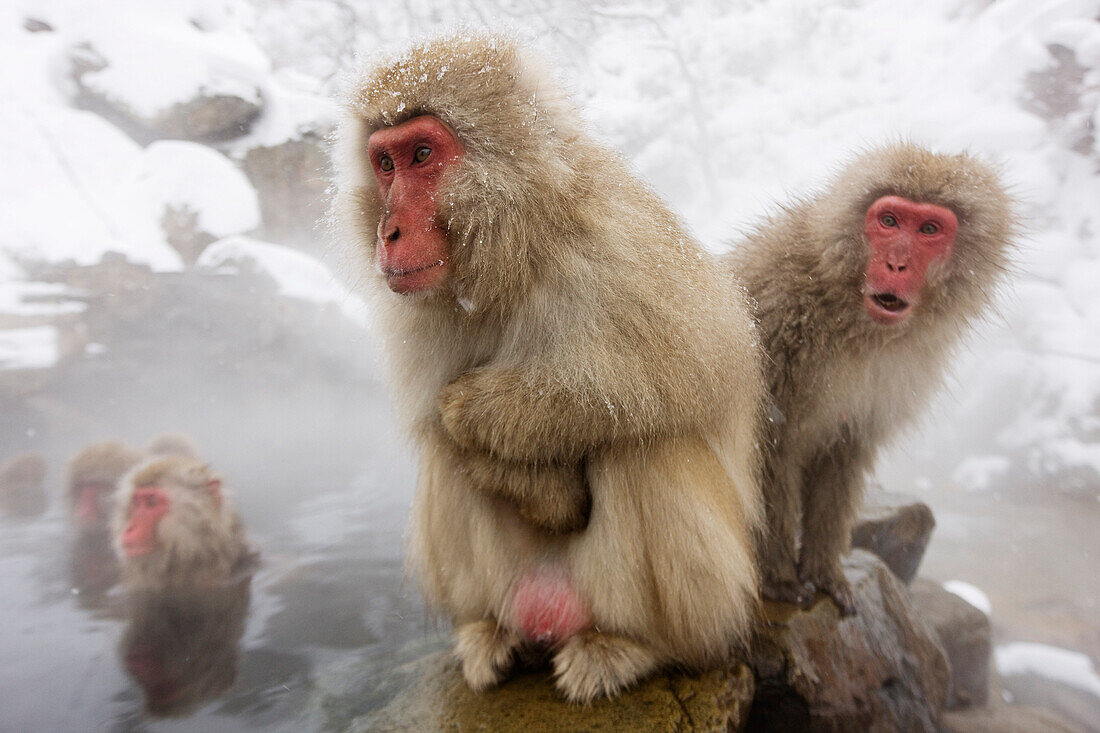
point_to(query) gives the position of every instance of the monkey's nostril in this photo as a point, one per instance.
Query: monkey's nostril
(394, 235)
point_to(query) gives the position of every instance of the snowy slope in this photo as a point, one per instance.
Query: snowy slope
(724, 108)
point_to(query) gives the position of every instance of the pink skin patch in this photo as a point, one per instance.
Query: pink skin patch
(148, 506)
(547, 608)
(408, 160)
(905, 237)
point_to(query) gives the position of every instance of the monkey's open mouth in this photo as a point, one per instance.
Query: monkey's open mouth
(887, 308)
(889, 302)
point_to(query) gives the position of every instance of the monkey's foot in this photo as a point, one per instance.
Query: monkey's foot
(591, 665)
(486, 651)
(833, 584)
(790, 590)
(783, 586)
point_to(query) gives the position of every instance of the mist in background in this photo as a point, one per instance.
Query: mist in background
(165, 266)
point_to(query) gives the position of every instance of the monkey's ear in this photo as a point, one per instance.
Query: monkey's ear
(214, 488)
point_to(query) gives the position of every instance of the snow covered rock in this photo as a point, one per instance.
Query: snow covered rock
(896, 527)
(206, 86)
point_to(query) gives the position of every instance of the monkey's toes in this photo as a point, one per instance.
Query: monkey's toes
(592, 665)
(836, 586)
(486, 652)
(786, 591)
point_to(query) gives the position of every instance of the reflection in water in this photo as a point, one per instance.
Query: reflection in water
(93, 566)
(181, 644)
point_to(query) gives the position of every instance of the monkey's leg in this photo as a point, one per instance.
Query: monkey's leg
(593, 664)
(552, 496)
(777, 546)
(831, 490)
(486, 652)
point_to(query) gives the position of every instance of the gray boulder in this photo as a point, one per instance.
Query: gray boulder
(896, 527)
(966, 635)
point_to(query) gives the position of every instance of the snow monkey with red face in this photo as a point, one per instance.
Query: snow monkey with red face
(862, 293)
(581, 379)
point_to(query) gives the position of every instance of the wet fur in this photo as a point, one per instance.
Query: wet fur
(200, 541)
(841, 384)
(583, 340)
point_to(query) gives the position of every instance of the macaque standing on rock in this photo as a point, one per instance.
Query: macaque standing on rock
(174, 527)
(554, 333)
(862, 293)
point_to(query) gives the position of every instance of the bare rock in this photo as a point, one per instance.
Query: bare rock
(967, 637)
(181, 229)
(438, 699)
(881, 669)
(1006, 719)
(290, 180)
(896, 527)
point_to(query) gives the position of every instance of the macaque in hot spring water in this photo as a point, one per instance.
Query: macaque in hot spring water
(581, 379)
(175, 527)
(862, 294)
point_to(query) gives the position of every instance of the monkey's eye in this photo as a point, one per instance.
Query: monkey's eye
(422, 154)
(386, 163)
(888, 220)
(928, 228)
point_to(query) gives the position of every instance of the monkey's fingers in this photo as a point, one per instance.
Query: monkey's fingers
(559, 502)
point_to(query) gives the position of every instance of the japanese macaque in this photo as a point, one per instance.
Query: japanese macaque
(554, 334)
(21, 492)
(183, 647)
(174, 527)
(173, 444)
(862, 292)
(93, 476)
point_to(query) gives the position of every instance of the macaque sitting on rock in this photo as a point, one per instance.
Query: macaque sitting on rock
(862, 293)
(555, 335)
(174, 527)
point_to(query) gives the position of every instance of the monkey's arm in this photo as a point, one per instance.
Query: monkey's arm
(534, 416)
(552, 496)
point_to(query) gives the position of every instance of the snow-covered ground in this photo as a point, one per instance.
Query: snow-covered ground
(725, 108)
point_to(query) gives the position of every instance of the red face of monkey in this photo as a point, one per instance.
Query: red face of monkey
(413, 251)
(148, 505)
(905, 238)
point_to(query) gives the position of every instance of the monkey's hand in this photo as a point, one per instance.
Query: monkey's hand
(480, 410)
(522, 416)
(552, 496)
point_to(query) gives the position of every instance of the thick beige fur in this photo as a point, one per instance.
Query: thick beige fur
(842, 385)
(583, 327)
(100, 464)
(201, 542)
